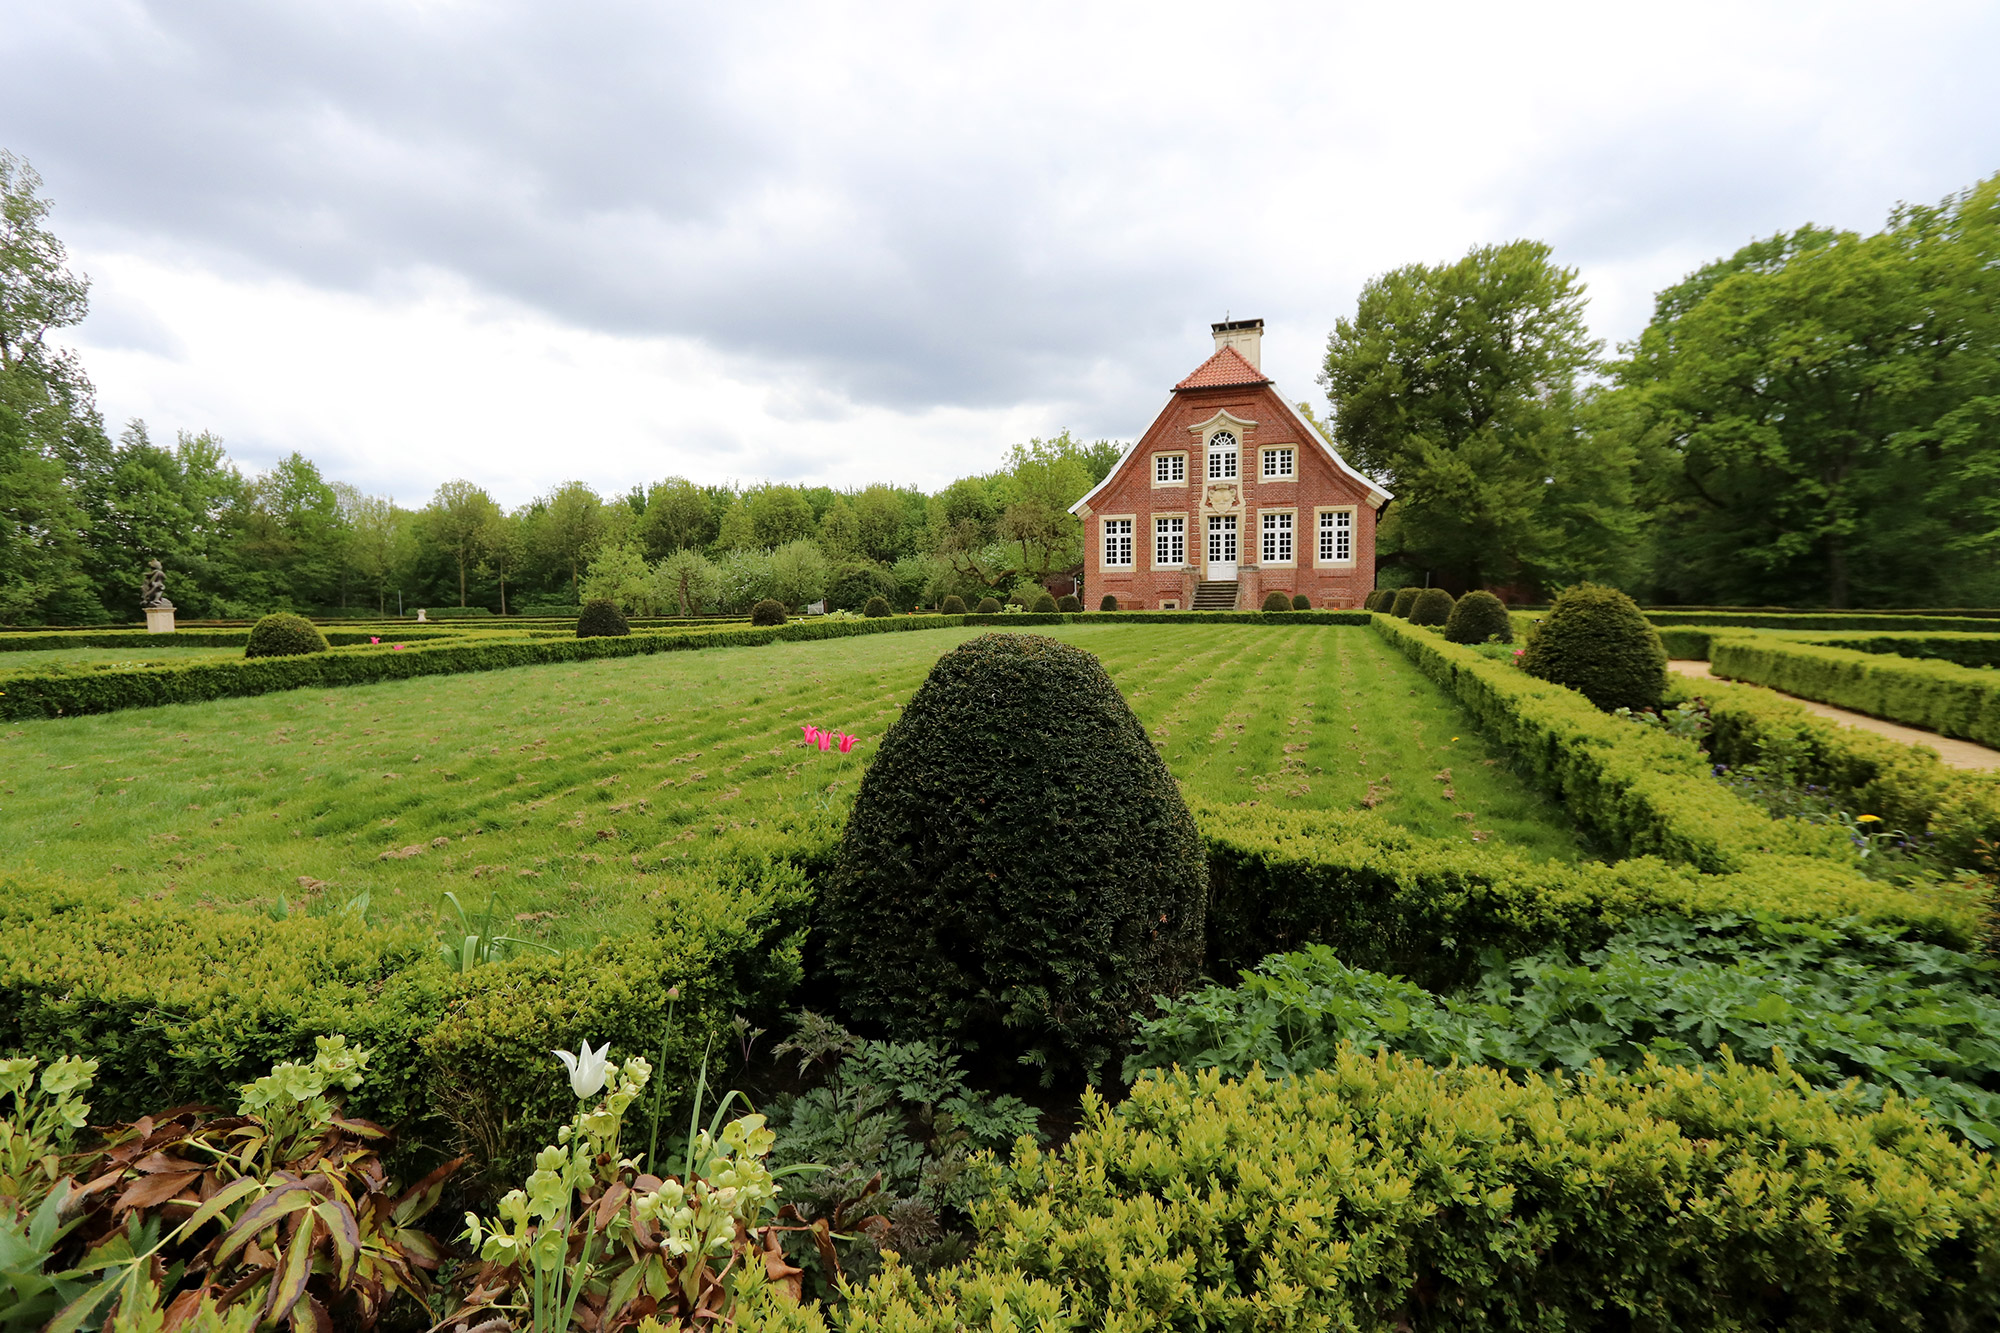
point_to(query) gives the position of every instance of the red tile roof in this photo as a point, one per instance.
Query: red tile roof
(1226, 367)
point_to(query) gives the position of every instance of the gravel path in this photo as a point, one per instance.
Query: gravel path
(1955, 753)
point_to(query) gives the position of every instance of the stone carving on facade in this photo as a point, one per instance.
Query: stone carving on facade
(1222, 497)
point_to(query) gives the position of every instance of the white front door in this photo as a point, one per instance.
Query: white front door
(1222, 547)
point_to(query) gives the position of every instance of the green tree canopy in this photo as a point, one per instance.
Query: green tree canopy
(1821, 414)
(459, 520)
(1457, 386)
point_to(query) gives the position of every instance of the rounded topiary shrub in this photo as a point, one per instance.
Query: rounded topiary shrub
(1277, 601)
(1069, 604)
(1595, 641)
(1108, 603)
(768, 612)
(601, 619)
(1044, 604)
(1301, 602)
(1380, 599)
(1432, 607)
(1405, 599)
(1479, 617)
(1019, 869)
(284, 635)
(988, 607)
(877, 608)
(954, 605)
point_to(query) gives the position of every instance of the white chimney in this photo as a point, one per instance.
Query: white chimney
(1245, 335)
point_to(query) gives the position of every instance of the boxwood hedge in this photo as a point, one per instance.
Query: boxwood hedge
(1937, 696)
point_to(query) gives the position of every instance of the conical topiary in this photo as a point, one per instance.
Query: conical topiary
(1405, 599)
(1479, 617)
(284, 635)
(1432, 607)
(1596, 641)
(1019, 868)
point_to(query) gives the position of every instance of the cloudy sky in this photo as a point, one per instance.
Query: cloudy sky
(842, 243)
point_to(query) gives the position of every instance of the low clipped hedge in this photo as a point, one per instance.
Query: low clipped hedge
(1907, 786)
(1854, 621)
(1970, 650)
(140, 640)
(1176, 618)
(181, 1004)
(1937, 696)
(61, 695)
(1639, 792)
(1392, 901)
(1383, 1193)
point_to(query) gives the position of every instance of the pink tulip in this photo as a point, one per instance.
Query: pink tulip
(825, 741)
(808, 729)
(846, 743)
(397, 647)
(374, 638)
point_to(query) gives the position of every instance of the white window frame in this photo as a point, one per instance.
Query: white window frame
(1220, 523)
(1108, 533)
(1159, 521)
(1214, 456)
(1170, 460)
(1326, 525)
(1271, 453)
(1277, 531)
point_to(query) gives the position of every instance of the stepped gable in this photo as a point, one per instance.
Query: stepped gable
(1223, 370)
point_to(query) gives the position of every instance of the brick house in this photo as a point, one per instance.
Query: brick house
(1229, 495)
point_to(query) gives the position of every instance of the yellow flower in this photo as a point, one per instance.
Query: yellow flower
(1868, 819)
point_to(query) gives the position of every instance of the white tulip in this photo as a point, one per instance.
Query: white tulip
(587, 1070)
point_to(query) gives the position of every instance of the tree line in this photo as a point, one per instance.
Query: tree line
(1814, 420)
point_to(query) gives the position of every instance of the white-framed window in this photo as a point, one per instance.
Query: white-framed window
(1222, 456)
(1276, 526)
(1169, 542)
(1118, 543)
(1336, 537)
(1170, 469)
(1279, 465)
(1222, 539)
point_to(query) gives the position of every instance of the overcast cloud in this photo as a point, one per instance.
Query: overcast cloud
(525, 242)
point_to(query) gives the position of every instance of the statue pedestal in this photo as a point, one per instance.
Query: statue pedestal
(159, 620)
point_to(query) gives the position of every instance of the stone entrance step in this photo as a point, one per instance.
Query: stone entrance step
(1214, 597)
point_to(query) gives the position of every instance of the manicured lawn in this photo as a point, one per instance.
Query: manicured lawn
(563, 789)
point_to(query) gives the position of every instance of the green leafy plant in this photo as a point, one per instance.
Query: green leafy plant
(41, 1118)
(1596, 641)
(479, 945)
(1479, 617)
(283, 1206)
(1432, 606)
(284, 635)
(952, 913)
(601, 619)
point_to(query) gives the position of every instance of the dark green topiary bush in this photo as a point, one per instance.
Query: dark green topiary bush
(1595, 641)
(988, 607)
(1479, 617)
(1301, 602)
(954, 605)
(1043, 605)
(768, 612)
(1019, 868)
(1380, 600)
(1277, 601)
(852, 585)
(1069, 603)
(1405, 598)
(601, 619)
(1432, 607)
(284, 635)
(1109, 603)
(877, 608)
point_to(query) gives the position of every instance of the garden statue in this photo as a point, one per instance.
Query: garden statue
(156, 590)
(159, 611)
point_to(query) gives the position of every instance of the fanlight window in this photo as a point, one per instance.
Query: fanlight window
(1222, 456)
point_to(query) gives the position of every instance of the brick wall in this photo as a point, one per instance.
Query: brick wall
(1130, 493)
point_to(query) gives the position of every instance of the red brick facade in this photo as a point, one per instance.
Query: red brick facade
(1302, 520)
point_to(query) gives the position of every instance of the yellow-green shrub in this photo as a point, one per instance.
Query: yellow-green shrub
(1384, 1194)
(1938, 696)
